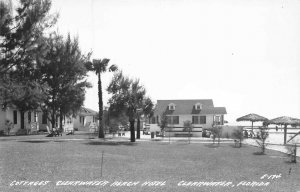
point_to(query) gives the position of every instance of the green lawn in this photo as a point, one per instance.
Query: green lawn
(141, 162)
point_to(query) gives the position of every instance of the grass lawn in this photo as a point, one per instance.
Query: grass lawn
(141, 162)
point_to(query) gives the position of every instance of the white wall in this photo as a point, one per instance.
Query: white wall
(9, 114)
(182, 118)
(83, 125)
(154, 128)
(68, 124)
(197, 130)
(2, 119)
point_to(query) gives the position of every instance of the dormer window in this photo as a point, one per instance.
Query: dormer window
(172, 107)
(198, 106)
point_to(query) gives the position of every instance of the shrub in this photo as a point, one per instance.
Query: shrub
(261, 140)
(238, 134)
(216, 131)
(2, 133)
(292, 152)
(188, 127)
(8, 125)
(21, 132)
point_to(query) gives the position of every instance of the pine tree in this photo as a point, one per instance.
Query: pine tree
(20, 48)
(64, 74)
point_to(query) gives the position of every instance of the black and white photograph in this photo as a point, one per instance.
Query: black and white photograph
(150, 95)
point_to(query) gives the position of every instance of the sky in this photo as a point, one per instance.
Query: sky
(243, 54)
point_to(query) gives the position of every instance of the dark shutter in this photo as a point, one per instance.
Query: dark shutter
(29, 117)
(15, 117)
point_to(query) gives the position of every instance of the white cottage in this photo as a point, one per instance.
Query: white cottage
(13, 116)
(201, 112)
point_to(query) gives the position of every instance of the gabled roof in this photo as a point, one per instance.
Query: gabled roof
(188, 107)
(87, 112)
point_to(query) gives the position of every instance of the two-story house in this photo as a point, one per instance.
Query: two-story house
(200, 112)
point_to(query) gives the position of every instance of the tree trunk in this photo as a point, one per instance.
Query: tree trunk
(138, 128)
(132, 131)
(101, 133)
(53, 118)
(60, 120)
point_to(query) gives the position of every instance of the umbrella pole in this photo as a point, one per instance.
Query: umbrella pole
(252, 126)
(285, 129)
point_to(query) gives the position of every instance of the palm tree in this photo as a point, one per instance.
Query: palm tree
(100, 66)
(135, 97)
(127, 95)
(146, 109)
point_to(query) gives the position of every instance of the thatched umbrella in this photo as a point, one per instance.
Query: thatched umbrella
(253, 118)
(284, 121)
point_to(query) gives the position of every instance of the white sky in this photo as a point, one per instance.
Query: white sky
(243, 54)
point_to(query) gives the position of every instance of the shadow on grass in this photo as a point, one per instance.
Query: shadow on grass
(259, 153)
(111, 143)
(37, 141)
(237, 146)
(289, 162)
(212, 145)
(158, 140)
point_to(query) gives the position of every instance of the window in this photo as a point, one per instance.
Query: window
(217, 120)
(153, 120)
(198, 106)
(195, 120)
(44, 118)
(202, 119)
(173, 119)
(199, 120)
(68, 120)
(15, 117)
(35, 117)
(29, 117)
(172, 107)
